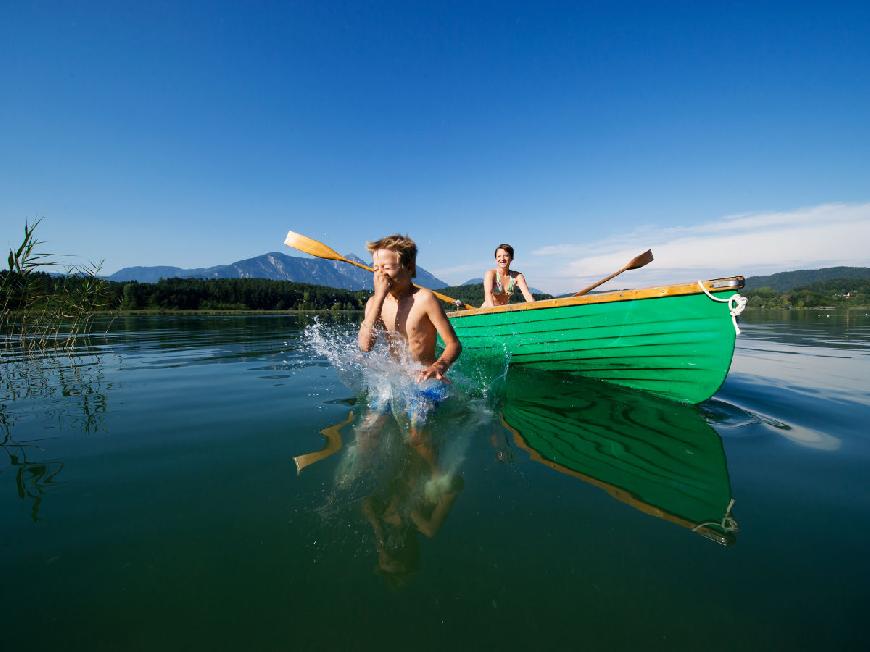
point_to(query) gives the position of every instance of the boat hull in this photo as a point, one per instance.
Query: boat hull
(673, 341)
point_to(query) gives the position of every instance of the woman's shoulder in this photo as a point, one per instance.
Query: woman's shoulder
(515, 274)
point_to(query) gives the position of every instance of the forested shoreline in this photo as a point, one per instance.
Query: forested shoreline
(834, 293)
(199, 294)
(254, 294)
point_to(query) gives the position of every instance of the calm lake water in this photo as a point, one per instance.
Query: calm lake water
(149, 499)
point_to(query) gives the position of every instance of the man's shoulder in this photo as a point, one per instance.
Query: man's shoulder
(427, 300)
(423, 295)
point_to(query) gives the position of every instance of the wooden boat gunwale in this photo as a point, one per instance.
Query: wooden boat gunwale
(725, 284)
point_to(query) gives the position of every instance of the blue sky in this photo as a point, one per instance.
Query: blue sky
(581, 132)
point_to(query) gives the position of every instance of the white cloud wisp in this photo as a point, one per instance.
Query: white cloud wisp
(821, 236)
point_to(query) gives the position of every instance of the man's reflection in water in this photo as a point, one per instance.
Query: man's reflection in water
(396, 455)
(416, 499)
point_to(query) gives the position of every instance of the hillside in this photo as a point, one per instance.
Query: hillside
(785, 281)
(835, 293)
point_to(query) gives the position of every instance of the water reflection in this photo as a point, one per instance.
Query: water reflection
(33, 477)
(412, 499)
(399, 471)
(659, 457)
(67, 390)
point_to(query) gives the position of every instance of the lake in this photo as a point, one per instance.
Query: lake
(150, 498)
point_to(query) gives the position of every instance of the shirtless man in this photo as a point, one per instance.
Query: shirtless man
(408, 314)
(412, 318)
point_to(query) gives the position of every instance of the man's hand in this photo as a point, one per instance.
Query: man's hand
(382, 284)
(435, 370)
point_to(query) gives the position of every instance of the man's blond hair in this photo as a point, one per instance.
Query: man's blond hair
(402, 245)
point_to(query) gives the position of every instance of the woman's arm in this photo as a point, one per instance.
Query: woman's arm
(488, 282)
(524, 288)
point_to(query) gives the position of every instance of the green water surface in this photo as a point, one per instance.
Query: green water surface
(149, 500)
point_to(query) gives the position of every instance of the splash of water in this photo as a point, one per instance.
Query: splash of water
(393, 408)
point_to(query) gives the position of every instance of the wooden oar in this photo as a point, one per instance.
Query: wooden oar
(333, 445)
(320, 250)
(635, 263)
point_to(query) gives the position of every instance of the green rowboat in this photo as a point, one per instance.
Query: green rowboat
(659, 457)
(675, 341)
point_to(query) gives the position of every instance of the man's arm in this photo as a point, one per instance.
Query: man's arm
(452, 346)
(430, 526)
(366, 336)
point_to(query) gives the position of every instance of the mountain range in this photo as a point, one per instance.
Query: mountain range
(278, 267)
(336, 274)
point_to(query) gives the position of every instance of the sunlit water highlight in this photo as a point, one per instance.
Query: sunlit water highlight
(150, 497)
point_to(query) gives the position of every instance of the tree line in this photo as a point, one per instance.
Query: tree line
(215, 294)
(836, 293)
(190, 294)
(234, 294)
(266, 294)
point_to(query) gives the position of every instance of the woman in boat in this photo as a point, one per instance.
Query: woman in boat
(500, 283)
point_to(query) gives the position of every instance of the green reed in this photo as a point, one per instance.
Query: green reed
(42, 313)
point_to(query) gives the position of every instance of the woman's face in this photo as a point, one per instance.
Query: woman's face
(502, 259)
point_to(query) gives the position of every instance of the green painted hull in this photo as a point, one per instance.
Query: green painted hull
(660, 457)
(679, 347)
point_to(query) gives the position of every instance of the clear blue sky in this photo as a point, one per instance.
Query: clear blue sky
(195, 134)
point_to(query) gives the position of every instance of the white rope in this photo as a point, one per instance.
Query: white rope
(728, 524)
(735, 302)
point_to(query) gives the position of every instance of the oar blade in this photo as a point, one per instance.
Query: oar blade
(639, 261)
(312, 247)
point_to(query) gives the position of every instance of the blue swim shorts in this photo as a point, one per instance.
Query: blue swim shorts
(415, 400)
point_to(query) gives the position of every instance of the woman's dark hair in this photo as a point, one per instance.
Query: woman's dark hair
(506, 247)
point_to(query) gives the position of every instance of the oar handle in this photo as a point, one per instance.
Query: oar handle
(589, 288)
(360, 265)
(453, 302)
(320, 250)
(635, 263)
(443, 297)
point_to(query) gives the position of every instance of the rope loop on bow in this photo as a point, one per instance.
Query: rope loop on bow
(736, 304)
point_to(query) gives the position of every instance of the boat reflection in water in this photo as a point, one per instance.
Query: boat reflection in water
(657, 456)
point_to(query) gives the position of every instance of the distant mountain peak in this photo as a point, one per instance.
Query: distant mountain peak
(276, 266)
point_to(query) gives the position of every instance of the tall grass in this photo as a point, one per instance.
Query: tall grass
(43, 319)
(41, 313)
